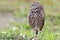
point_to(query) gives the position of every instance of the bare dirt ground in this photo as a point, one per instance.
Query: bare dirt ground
(5, 18)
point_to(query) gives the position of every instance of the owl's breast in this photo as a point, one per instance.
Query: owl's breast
(35, 15)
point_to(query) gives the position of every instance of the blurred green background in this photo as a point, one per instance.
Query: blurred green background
(13, 19)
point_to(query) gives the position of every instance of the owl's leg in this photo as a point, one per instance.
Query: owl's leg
(37, 32)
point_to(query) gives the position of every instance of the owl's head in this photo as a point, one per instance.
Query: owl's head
(36, 7)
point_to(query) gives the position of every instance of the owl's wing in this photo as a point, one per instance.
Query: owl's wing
(41, 19)
(42, 24)
(31, 20)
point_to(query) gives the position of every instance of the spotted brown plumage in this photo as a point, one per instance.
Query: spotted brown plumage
(36, 16)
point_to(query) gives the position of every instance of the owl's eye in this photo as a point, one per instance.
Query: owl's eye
(33, 5)
(36, 8)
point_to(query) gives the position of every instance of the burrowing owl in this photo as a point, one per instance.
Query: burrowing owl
(36, 17)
